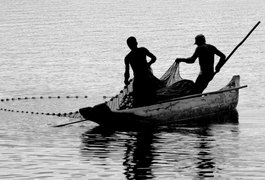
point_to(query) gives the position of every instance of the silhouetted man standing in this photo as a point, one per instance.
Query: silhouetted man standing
(145, 83)
(205, 53)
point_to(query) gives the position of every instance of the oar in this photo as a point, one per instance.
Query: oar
(240, 43)
(61, 125)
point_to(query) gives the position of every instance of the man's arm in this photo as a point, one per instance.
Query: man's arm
(152, 56)
(222, 60)
(127, 71)
(191, 59)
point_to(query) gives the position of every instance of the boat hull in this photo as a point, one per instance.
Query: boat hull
(186, 109)
(175, 111)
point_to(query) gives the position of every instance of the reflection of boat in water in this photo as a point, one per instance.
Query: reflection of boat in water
(163, 152)
(177, 110)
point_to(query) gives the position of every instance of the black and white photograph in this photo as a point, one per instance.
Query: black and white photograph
(132, 90)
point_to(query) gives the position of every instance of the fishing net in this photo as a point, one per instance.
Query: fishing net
(60, 106)
(173, 86)
(171, 75)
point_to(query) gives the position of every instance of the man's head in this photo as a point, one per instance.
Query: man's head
(132, 43)
(200, 39)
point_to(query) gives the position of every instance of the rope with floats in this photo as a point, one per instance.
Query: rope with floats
(41, 97)
(74, 114)
(69, 114)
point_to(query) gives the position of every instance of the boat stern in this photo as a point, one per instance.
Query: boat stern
(234, 83)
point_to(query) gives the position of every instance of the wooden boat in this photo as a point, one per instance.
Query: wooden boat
(173, 111)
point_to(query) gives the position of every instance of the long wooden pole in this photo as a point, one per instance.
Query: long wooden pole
(240, 44)
(242, 41)
(61, 125)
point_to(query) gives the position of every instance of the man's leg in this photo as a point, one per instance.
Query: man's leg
(201, 83)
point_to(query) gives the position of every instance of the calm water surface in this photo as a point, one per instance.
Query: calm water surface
(68, 48)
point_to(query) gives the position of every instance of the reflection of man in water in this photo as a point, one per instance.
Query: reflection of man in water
(205, 53)
(144, 84)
